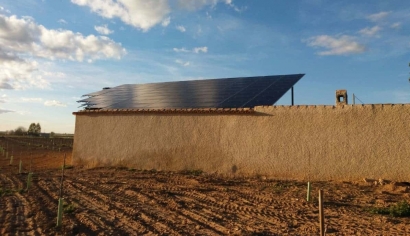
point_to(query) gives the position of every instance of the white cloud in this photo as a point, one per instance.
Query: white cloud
(25, 36)
(3, 98)
(341, 45)
(21, 40)
(181, 50)
(54, 103)
(194, 50)
(378, 16)
(193, 5)
(4, 84)
(181, 28)
(31, 99)
(200, 49)
(166, 22)
(370, 31)
(23, 113)
(17, 73)
(4, 9)
(5, 111)
(103, 29)
(237, 9)
(183, 63)
(62, 21)
(396, 25)
(141, 14)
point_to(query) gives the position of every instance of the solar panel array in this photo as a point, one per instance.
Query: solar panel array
(212, 93)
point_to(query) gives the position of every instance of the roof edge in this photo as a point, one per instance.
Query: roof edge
(168, 111)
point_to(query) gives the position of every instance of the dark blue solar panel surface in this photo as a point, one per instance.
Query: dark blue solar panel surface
(213, 93)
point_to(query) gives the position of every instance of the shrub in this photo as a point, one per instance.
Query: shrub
(400, 209)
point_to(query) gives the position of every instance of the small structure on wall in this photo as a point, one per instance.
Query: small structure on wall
(341, 97)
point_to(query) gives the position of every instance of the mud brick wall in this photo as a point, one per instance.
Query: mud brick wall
(346, 142)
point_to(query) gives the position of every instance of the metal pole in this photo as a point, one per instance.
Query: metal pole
(293, 97)
(354, 99)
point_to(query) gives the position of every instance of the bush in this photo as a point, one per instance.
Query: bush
(400, 209)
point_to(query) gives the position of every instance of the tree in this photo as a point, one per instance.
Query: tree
(38, 128)
(34, 129)
(20, 130)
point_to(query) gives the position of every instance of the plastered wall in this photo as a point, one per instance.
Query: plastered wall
(289, 142)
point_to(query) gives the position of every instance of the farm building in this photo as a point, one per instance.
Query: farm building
(230, 127)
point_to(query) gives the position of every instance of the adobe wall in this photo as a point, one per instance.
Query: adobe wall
(293, 142)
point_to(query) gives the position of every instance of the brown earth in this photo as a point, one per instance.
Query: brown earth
(122, 201)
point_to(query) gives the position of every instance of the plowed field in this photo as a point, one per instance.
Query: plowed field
(122, 201)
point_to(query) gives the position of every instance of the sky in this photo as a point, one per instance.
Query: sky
(53, 52)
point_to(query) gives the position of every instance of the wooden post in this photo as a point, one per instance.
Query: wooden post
(308, 192)
(20, 167)
(61, 199)
(321, 215)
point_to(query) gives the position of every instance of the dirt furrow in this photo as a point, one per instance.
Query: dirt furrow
(135, 210)
(88, 220)
(250, 216)
(179, 218)
(161, 216)
(21, 220)
(102, 209)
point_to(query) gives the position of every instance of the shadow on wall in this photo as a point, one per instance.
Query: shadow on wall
(207, 159)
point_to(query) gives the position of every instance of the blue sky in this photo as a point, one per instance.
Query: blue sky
(52, 52)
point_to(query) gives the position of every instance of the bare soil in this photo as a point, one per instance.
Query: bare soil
(123, 201)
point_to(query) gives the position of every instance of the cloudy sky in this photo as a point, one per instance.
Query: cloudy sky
(53, 52)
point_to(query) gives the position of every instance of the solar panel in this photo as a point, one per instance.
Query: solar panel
(212, 93)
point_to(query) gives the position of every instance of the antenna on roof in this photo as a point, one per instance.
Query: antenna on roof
(354, 99)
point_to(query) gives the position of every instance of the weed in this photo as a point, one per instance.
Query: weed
(378, 210)
(121, 168)
(5, 192)
(68, 208)
(400, 209)
(192, 172)
(263, 188)
(279, 187)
